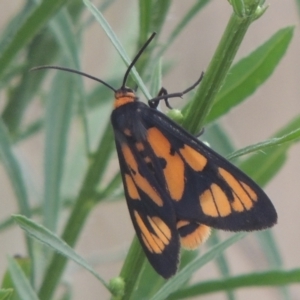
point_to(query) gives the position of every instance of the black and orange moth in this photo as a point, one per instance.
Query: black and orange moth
(175, 186)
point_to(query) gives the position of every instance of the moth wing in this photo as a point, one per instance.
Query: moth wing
(151, 210)
(205, 187)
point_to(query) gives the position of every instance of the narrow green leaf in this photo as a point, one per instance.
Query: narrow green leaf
(217, 138)
(269, 278)
(145, 7)
(21, 282)
(27, 30)
(30, 130)
(174, 283)
(5, 294)
(62, 27)
(8, 222)
(115, 41)
(250, 72)
(292, 136)
(105, 4)
(13, 25)
(156, 78)
(158, 15)
(58, 37)
(25, 263)
(57, 123)
(14, 171)
(46, 237)
(272, 159)
(270, 162)
(152, 14)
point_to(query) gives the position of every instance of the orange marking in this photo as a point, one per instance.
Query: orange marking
(147, 159)
(182, 223)
(122, 98)
(207, 204)
(174, 170)
(140, 146)
(237, 188)
(250, 192)
(221, 200)
(131, 188)
(147, 244)
(237, 204)
(196, 238)
(193, 158)
(127, 132)
(161, 229)
(158, 245)
(138, 179)
(152, 242)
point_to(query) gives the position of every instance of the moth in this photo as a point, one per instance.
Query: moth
(175, 186)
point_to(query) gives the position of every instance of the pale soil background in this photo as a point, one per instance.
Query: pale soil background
(109, 230)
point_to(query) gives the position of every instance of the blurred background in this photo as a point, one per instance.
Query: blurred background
(108, 231)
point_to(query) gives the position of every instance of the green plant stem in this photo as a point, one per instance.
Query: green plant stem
(216, 72)
(132, 267)
(84, 204)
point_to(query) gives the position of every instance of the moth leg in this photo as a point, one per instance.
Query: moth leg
(153, 103)
(163, 95)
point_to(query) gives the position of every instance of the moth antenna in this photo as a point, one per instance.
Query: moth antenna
(136, 58)
(75, 72)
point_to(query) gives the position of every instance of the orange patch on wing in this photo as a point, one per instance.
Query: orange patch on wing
(131, 188)
(140, 146)
(147, 244)
(127, 132)
(147, 236)
(161, 229)
(147, 159)
(196, 238)
(155, 242)
(237, 204)
(248, 189)
(139, 180)
(207, 203)
(174, 170)
(221, 200)
(182, 223)
(238, 189)
(193, 158)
